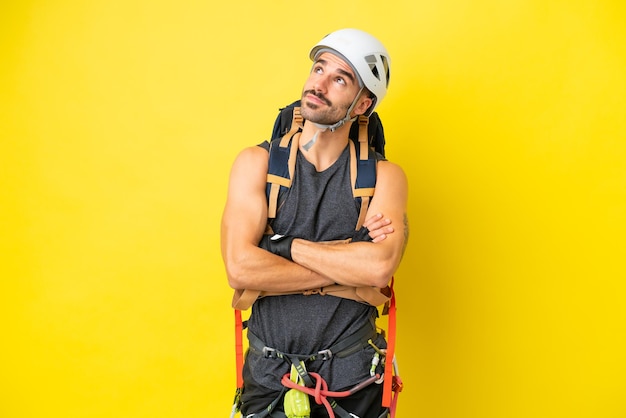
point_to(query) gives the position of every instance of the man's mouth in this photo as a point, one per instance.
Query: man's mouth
(317, 97)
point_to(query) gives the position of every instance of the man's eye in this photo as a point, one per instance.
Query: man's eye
(341, 81)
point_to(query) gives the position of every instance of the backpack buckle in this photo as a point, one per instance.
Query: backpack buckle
(325, 354)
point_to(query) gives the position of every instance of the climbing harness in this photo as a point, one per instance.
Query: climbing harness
(314, 385)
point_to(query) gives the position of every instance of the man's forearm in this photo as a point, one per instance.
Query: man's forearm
(351, 264)
(262, 270)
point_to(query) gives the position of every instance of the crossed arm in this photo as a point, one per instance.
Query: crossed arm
(314, 264)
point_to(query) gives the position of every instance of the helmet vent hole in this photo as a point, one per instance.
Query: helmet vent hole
(386, 67)
(371, 62)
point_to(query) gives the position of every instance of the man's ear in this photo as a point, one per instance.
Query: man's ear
(363, 104)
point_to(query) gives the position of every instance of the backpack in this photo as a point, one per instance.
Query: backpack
(367, 140)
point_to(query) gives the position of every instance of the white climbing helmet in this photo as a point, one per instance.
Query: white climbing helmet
(366, 55)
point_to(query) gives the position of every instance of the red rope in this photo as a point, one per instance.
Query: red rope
(320, 392)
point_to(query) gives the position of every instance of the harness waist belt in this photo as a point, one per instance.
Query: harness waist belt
(342, 348)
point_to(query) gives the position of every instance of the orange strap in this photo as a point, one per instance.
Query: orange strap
(391, 348)
(239, 347)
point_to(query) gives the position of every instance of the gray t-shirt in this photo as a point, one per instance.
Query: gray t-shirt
(319, 206)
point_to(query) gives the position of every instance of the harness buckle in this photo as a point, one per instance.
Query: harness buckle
(325, 354)
(269, 352)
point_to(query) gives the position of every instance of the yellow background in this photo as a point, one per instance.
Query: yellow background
(119, 121)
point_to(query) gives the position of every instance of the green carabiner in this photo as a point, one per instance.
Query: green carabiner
(296, 402)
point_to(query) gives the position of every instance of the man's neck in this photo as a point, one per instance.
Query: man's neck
(322, 148)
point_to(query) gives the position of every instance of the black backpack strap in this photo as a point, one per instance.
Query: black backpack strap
(282, 163)
(362, 170)
(376, 134)
(284, 120)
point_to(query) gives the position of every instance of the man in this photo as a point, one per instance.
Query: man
(319, 246)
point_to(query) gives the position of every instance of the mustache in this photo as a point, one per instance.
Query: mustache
(318, 95)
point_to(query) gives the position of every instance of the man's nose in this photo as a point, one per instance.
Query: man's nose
(321, 83)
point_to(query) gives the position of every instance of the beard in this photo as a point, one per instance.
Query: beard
(328, 115)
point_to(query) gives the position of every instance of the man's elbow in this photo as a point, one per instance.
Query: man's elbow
(381, 281)
(235, 273)
(382, 273)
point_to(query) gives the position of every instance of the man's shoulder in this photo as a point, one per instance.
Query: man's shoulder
(260, 149)
(265, 145)
(388, 165)
(252, 156)
(390, 170)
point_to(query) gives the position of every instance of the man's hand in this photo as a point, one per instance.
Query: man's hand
(374, 229)
(277, 244)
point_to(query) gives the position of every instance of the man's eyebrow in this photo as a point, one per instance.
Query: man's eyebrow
(347, 74)
(339, 70)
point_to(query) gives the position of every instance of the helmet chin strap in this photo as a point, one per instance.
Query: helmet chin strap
(323, 128)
